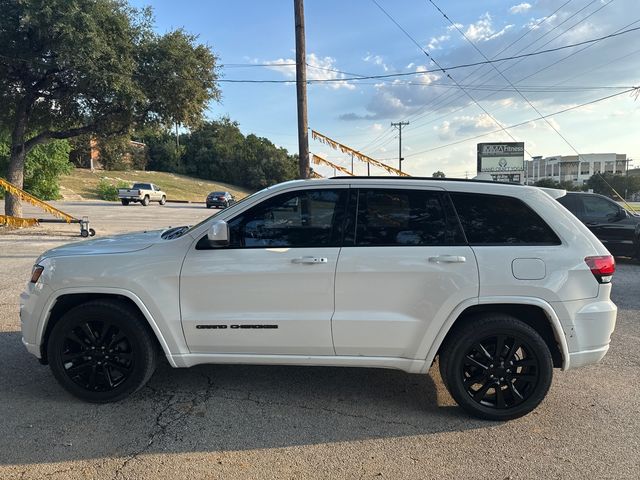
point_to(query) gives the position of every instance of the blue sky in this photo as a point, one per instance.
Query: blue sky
(355, 36)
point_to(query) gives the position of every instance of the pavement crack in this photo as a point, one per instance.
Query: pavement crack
(173, 403)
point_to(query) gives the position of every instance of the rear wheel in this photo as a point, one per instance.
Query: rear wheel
(124, 202)
(145, 200)
(101, 351)
(496, 367)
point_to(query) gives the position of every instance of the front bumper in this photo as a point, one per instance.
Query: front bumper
(32, 305)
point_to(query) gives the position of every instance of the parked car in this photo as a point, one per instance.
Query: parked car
(143, 193)
(617, 228)
(499, 281)
(220, 199)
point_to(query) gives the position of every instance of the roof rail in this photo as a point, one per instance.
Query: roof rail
(383, 177)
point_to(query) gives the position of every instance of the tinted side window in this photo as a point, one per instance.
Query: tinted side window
(570, 202)
(500, 220)
(308, 218)
(599, 207)
(404, 218)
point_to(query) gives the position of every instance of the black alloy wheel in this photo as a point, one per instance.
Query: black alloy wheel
(497, 368)
(101, 351)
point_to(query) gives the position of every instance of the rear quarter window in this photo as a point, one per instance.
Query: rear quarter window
(501, 220)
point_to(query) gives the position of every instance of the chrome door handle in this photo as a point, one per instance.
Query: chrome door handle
(448, 259)
(310, 260)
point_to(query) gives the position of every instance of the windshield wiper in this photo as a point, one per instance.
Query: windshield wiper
(174, 232)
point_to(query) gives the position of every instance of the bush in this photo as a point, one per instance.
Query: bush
(108, 191)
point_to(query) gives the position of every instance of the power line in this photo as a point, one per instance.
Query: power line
(505, 78)
(537, 40)
(597, 100)
(444, 71)
(355, 78)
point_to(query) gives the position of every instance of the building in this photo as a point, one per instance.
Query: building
(562, 168)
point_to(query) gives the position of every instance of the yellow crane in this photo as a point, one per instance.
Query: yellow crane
(9, 187)
(318, 160)
(359, 155)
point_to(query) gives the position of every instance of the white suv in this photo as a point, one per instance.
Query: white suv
(500, 281)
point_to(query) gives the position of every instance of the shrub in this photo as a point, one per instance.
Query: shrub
(108, 191)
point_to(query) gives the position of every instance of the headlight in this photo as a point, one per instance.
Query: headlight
(36, 272)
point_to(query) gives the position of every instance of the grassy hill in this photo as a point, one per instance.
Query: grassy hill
(83, 184)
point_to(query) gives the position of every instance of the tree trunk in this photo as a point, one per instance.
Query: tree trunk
(15, 175)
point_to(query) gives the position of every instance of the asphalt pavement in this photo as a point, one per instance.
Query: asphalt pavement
(245, 422)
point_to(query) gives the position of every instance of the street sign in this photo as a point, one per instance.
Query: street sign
(503, 161)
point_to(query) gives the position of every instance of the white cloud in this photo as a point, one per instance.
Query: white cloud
(435, 42)
(376, 60)
(520, 8)
(483, 29)
(319, 68)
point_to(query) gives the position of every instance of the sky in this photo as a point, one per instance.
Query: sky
(254, 40)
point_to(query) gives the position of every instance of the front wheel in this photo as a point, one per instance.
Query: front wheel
(163, 200)
(496, 367)
(101, 351)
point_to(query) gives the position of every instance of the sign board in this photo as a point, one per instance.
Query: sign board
(503, 161)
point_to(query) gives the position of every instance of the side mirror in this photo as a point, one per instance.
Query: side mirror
(218, 234)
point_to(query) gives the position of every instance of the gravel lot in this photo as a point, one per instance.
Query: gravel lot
(287, 422)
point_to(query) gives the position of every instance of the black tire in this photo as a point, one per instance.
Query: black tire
(101, 351)
(92, 232)
(124, 202)
(84, 233)
(208, 206)
(145, 200)
(510, 382)
(163, 200)
(226, 204)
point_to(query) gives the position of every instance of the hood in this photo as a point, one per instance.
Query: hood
(129, 242)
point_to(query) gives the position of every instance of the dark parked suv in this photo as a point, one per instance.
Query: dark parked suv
(614, 226)
(220, 199)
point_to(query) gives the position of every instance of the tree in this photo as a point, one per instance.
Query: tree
(74, 67)
(606, 183)
(438, 174)
(564, 185)
(43, 166)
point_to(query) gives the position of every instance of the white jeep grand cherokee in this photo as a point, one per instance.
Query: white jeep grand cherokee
(499, 281)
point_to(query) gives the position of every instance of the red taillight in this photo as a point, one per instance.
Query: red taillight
(220, 198)
(603, 267)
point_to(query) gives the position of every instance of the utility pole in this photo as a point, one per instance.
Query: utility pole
(301, 88)
(399, 126)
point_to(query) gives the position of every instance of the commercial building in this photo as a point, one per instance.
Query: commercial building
(574, 169)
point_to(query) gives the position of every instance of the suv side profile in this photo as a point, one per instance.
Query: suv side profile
(499, 281)
(614, 226)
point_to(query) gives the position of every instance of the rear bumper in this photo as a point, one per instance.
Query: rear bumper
(589, 330)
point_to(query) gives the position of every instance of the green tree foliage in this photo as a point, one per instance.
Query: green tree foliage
(605, 183)
(74, 67)
(217, 150)
(117, 153)
(438, 174)
(564, 185)
(108, 190)
(43, 167)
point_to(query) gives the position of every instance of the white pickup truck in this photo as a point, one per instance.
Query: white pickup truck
(143, 193)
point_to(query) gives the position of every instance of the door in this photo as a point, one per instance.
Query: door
(610, 223)
(272, 290)
(403, 268)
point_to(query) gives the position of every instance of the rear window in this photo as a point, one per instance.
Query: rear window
(142, 186)
(501, 220)
(401, 217)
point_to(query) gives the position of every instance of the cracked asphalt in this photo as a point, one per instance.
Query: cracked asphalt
(245, 422)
